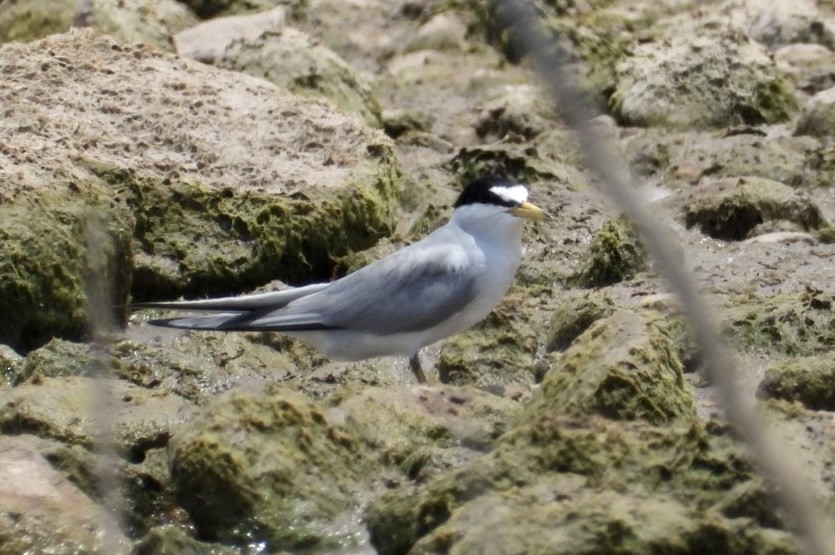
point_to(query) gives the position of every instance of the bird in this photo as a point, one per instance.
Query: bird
(427, 291)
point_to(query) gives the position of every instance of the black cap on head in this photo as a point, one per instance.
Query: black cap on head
(481, 191)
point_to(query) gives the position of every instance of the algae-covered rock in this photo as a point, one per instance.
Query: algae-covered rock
(509, 157)
(717, 79)
(794, 324)
(689, 468)
(269, 467)
(614, 255)
(573, 317)
(499, 350)
(57, 408)
(42, 512)
(679, 159)
(777, 24)
(10, 363)
(293, 60)
(192, 367)
(554, 517)
(225, 181)
(397, 122)
(519, 109)
(170, 540)
(809, 380)
(730, 208)
(624, 366)
(150, 21)
(48, 261)
(818, 116)
(425, 430)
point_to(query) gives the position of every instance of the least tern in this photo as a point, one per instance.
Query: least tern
(437, 287)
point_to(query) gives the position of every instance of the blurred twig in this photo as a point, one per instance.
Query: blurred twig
(789, 483)
(100, 302)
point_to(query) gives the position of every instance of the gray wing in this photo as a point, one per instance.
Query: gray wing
(413, 289)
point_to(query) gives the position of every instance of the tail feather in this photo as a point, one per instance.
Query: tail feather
(245, 303)
(213, 322)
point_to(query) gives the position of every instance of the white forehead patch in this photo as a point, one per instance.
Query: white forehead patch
(514, 193)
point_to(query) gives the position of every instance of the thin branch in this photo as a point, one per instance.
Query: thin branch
(789, 484)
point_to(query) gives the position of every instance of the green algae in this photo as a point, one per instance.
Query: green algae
(731, 207)
(689, 467)
(198, 240)
(46, 263)
(623, 366)
(171, 540)
(294, 61)
(809, 380)
(573, 317)
(28, 21)
(500, 158)
(786, 324)
(423, 431)
(614, 255)
(268, 467)
(499, 350)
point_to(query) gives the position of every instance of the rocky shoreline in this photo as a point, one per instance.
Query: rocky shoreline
(209, 148)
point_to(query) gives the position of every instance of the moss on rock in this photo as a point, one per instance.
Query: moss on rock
(606, 470)
(270, 468)
(624, 366)
(730, 208)
(293, 60)
(573, 317)
(47, 262)
(794, 324)
(720, 79)
(614, 255)
(499, 350)
(809, 380)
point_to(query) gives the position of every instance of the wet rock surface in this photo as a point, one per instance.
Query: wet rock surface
(573, 419)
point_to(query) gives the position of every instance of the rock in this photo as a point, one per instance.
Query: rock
(242, 184)
(269, 467)
(41, 512)
(499, 350)
(812, 66)
(60, 408)
(785, 22)
(614, 255)
(425, 430)
(208, 41)
(10, 363)
(554, 468)
(680, 159)
(293, 60)
(444, 31)
(152, 22)
(793, 324)
(170, 540)
(717, 79)
(572, 318)
(730, 208)
(558, 517)
(518, 109)
(398, 121)
(809, 380)
(511, 157)
(624, 366)
(818, 116)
